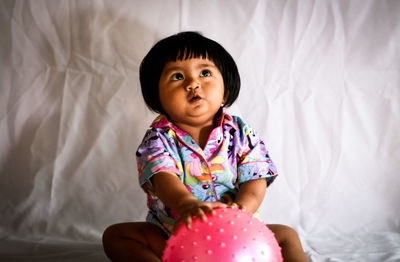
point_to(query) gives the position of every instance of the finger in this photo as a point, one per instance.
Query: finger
(219, 205)
(207, 208)
(188, 222)
(210, 207)
(201, 214)
(234, 205)
(214, 205)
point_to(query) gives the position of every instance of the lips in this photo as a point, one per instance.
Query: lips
(194, 98)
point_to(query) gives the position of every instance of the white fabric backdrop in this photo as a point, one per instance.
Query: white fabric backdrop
(320, 84)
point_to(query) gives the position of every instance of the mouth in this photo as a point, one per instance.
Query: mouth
(195, 98)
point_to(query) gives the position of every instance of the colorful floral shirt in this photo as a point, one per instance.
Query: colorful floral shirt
(233, 155)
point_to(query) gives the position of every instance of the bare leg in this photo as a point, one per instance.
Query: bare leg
(136, 241)
(289, 241)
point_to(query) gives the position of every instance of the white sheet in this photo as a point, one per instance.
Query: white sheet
(320, 84)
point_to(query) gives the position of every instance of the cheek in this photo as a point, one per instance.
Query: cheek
(171, 98)
(165, 102)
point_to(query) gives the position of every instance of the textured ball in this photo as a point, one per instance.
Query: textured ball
(229, 235)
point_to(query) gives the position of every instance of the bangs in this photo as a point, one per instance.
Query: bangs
(189, 53)
(188, 46)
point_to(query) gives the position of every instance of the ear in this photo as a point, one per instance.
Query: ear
(226, 95)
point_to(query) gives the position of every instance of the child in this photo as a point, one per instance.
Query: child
(195, 157)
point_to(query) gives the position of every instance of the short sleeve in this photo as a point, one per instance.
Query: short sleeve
(254, 161)
(153, 156)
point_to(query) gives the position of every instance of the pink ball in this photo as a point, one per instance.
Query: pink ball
(230, 235)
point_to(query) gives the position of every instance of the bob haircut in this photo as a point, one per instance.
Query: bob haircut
(183, 46)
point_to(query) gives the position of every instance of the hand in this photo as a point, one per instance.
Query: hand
(250, 195)
(196, 208)
(236, 205)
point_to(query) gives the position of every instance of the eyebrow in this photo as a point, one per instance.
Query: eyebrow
(208, 65)
(170, 69)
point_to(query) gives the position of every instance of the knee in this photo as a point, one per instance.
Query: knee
(284, 234)
(111, 235)
(108, 234)
(116, 233)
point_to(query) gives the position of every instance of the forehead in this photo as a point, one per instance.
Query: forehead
(191, 63)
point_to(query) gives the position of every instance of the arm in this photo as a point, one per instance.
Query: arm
(173, 193)
(251, 195)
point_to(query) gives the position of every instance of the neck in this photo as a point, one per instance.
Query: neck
(199, 134)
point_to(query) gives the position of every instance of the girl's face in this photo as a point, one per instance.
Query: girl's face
(191, 91)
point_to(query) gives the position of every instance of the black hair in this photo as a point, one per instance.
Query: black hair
(183, 46)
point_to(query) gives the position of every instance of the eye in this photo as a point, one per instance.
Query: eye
(205, 72)
(177, 76)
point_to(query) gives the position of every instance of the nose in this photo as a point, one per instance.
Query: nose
(192, 84)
